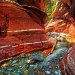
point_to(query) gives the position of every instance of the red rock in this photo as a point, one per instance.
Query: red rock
(21, 31)
(68, 63)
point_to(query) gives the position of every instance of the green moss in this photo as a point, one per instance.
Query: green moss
(50, 7)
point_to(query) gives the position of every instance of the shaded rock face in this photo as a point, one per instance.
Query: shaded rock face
(27, 2)
(36, 3)
(23, 32)
(72, 8)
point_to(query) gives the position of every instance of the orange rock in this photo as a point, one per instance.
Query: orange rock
(46, 52)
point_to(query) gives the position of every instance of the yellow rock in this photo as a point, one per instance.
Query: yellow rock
(26, 72)
(70, 39)
(3, 65)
